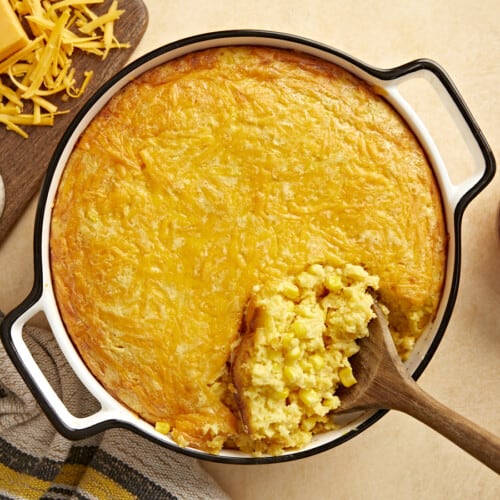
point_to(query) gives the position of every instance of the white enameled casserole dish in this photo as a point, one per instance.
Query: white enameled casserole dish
(455, 198)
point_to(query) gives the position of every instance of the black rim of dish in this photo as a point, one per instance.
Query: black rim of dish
(262, 36)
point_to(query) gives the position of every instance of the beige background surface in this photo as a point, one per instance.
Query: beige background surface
(397, 457)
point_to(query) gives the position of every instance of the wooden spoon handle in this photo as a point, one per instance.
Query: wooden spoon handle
(479, 442)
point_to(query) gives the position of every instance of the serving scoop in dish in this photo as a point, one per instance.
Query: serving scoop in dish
(384, 383)
(455, 198)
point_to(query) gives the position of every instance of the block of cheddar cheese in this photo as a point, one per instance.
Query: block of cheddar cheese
(12, 35)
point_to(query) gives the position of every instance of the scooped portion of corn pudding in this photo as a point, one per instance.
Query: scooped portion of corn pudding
(219, 171)
(294, 352)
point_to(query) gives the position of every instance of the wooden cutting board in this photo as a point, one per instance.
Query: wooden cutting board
(23, 162)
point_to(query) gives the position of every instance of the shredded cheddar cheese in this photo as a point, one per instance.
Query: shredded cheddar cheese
(43, 68)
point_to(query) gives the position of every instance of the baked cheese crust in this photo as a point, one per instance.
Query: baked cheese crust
(213, 173)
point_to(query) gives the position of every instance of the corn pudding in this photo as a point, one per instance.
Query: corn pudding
(211, 174)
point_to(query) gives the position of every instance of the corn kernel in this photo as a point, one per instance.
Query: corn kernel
(317, 361)
(309, 397)
(162, 427)
(289, 341)
(282, 394)
(274, 355)
(351, 349)
(293, 354)
(308, 424)
(289, 290)
(291, 373)
(331, 403)
(318, 270)
(347, 377)
(299, 329)
(356, 271)
(333, 282)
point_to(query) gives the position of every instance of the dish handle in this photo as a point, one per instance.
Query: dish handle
(69, 425)
(484, 161)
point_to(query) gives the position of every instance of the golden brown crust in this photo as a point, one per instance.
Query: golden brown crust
(213, 173)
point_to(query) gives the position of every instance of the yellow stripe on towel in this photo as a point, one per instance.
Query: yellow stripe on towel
(22, 485)
(91, 482)
(97, 484)
(70, 474)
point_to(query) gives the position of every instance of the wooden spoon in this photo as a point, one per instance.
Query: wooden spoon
(384, 383)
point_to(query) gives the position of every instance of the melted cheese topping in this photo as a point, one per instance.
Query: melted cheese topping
(213, 173)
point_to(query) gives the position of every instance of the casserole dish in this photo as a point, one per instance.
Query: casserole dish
(42, 299)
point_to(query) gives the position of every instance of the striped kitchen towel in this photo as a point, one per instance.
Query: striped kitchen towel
(37, 462)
